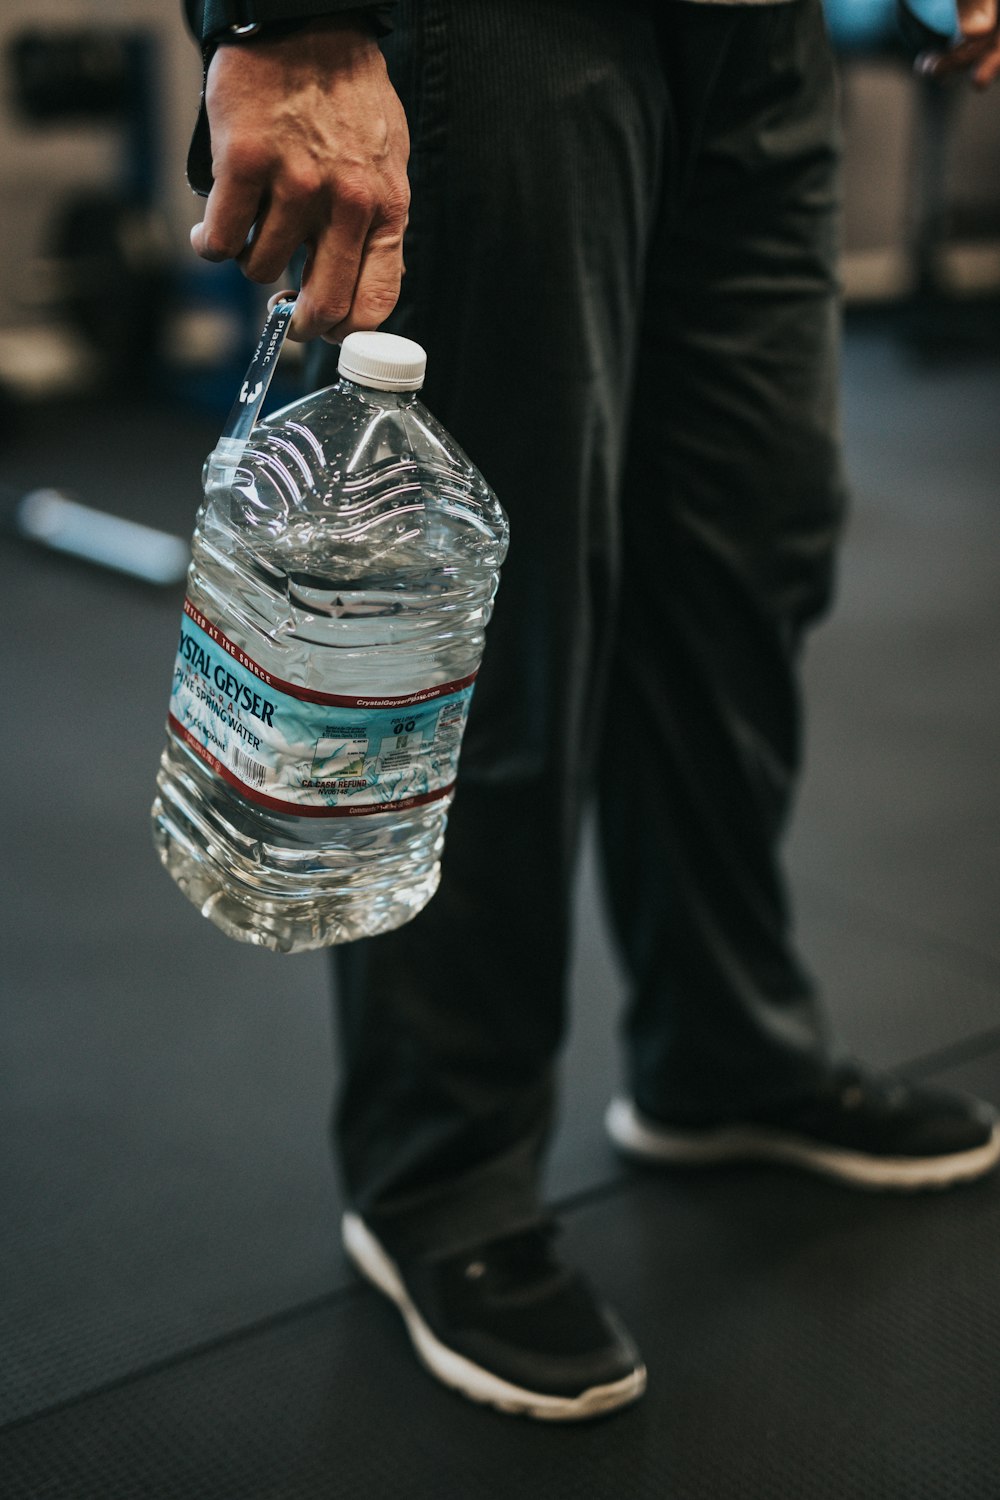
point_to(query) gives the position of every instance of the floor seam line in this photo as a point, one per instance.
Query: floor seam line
(194, 1351)
(570, 1204)
(952, 1054)
(976, 960)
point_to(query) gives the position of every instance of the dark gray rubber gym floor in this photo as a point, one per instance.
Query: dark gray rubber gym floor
(177, 1319)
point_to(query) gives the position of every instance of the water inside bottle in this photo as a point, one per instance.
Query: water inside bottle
(354, 552)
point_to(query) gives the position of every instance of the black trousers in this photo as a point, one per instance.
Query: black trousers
(621, 261)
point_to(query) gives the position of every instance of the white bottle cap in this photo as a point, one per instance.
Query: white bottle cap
(383, 360)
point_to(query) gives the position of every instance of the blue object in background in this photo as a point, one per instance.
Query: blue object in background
(874, 25)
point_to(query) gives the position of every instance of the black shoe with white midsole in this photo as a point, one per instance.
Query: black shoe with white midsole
(861, 1128)
(509, 1325)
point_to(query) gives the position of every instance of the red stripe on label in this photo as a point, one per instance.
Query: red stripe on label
(309, 695)
(299, 809)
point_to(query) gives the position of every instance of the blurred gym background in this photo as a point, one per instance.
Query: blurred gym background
(97, 105)
(176, 1318)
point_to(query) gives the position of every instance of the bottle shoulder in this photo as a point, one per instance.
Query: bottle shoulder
(349, 463)
(348, 430)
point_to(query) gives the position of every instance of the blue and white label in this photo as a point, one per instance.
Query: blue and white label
(315, 754)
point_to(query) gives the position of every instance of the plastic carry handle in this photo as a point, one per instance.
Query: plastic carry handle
(228, 451)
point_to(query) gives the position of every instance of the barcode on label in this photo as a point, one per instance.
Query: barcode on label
(249, 770)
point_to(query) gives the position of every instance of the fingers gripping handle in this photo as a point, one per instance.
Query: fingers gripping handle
(228, 451)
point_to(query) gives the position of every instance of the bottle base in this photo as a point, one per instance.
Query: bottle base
(283, 924)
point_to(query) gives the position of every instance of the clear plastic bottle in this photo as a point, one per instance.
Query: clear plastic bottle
(344, 565)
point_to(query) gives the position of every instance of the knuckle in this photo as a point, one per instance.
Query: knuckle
(368, 311)
(242, 159)
(355, 196)
(397, 202)
(375, 304)
(328, 311)
(298, 184)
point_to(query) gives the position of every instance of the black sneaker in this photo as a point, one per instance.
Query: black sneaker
(508, 1324)
(861, 1128)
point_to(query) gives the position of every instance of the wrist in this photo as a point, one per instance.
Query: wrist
(241, 21)
(260, 33)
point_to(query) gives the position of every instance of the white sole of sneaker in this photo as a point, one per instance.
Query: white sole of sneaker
(461, 1374)
(645, 1141)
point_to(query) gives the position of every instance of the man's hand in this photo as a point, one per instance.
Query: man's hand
(309, 147)
(977, 50)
